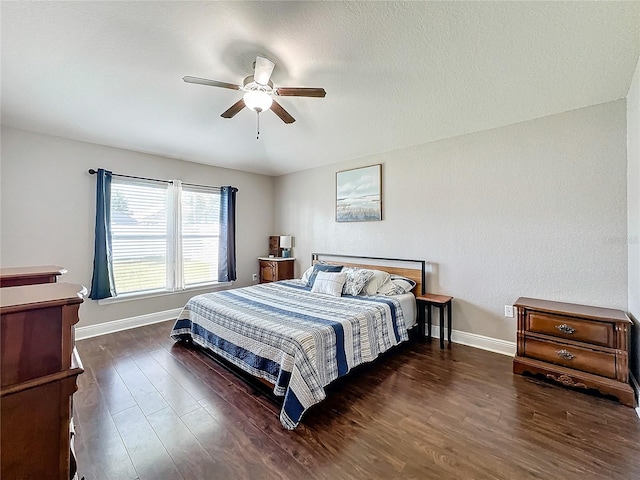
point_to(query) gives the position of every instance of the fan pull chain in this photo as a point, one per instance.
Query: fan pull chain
(258, 127)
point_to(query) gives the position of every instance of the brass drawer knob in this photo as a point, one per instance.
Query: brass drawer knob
(564, 328)
(566, 354)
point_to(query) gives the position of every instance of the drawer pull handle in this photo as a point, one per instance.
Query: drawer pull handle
(565, 354)
(564, 328)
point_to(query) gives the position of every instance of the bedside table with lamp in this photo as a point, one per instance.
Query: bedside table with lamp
(274, 268)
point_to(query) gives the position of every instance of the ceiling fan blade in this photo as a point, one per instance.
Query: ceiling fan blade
(300, 92)
(211, 83)
(233, 109)
(282, 113)
(262, 70)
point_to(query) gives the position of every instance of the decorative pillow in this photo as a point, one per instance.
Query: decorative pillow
(356, 280)
(318, 267)
(375, 282)
(400, 285)
(329, 283)
(387, 288)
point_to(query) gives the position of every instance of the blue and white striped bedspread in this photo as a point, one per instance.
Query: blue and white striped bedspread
(297, 340)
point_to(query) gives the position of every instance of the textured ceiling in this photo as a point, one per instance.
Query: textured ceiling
(396, 73)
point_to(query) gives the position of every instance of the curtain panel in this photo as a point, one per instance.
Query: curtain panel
(227, 243)
(102, 282)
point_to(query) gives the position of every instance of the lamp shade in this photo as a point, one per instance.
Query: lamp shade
(285, 241)
(257, 100)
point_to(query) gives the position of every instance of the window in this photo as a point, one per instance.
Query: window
(164, 235)
(200, 232)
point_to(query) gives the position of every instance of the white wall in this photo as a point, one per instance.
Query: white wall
(533, 209)
(633, 206)
(48, 209)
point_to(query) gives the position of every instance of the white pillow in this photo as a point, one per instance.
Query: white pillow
(329, 283)
(356, 280)
(378, 279)
(307, 274)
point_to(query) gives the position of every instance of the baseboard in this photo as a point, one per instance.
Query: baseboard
(126, 323)
(478, 341)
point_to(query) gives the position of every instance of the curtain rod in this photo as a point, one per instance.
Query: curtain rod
(93, 172)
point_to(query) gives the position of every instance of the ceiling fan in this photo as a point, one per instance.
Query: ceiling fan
(259, 91)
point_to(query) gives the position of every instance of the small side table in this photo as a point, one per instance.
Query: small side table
(428, 300)
(274, 269)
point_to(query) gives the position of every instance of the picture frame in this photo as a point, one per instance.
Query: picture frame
(359, 194)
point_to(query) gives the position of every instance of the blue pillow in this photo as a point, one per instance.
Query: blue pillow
(322, 268)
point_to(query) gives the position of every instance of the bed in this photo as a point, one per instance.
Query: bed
(297, 340)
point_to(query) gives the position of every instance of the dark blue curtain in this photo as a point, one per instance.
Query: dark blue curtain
(102, 284)
(227, 244)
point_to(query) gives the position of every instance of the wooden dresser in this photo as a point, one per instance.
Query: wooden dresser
(273, 269)
(576, 345)
(40, 367)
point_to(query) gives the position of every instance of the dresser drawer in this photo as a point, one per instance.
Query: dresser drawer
(597, 333)
(584, 359)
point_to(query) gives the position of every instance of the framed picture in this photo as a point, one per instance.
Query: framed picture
(359, 194)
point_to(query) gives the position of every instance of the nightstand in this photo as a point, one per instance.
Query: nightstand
(273, 269)
(428, 300)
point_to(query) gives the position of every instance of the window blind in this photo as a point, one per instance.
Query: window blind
(200, 233)
(139, 234)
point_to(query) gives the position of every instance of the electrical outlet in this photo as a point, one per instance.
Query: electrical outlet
(254, 277)
(508, 311)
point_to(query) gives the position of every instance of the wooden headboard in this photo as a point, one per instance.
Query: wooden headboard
(390, 265)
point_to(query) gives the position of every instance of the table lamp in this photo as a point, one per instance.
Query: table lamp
(285, 245)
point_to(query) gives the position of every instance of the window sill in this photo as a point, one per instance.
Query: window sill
(161, 293)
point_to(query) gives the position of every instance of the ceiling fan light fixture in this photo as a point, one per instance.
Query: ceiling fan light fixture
(259, 91)
(257, 100)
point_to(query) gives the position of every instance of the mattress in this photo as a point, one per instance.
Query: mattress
(408, 305)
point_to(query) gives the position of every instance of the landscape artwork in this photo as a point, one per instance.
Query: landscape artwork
(359, 194)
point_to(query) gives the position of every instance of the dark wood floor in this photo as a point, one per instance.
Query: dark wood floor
(148, 408)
